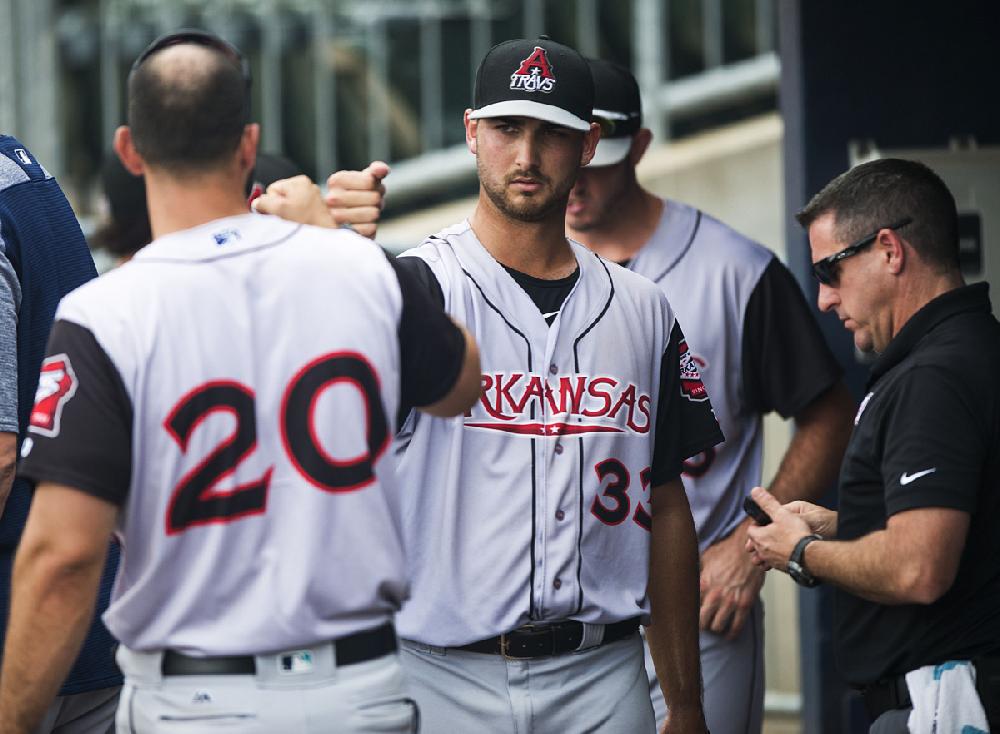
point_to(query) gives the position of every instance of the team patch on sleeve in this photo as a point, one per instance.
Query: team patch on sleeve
(56, 385)
(691, 385)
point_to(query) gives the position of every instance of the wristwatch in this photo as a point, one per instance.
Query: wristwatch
(797, 566)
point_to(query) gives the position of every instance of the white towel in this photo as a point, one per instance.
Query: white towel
(945, 700)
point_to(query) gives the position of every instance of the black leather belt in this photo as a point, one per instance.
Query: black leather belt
(537, 641)
(356, 648)
(886, 695)
(891, 694)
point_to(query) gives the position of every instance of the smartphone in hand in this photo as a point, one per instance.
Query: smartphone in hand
(754, 510)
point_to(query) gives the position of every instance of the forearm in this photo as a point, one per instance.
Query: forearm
(51, 610)
(869, 567)
(813, 458)
(674, 598)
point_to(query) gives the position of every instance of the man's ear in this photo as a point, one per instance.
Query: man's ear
(248, 146)
(126, 151)
(892, 250)
(470, 132)
(640, 144)
(590, 140)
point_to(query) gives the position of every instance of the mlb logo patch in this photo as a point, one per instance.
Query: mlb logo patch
(534, 74)
(22, 155)
(226, 236)
(295, 663)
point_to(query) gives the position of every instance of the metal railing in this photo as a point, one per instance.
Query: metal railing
(341, 82)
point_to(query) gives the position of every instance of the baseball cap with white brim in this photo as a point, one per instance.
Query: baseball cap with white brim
(540, 79)
(618, 107)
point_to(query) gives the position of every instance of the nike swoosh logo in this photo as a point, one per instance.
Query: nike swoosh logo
(907, 478)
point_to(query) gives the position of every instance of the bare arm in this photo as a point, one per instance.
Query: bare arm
(913, 561)
(673, 598)
(812, 461)
(8, 464)
(730, 583)
(56, 574)
(467, 387)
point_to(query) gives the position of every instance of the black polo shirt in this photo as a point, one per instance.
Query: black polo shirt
(927, 434)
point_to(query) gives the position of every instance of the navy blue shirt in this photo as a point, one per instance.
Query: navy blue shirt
(44, 244)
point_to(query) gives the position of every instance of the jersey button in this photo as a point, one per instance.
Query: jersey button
(557, 584)
(553, 368)
(559, 448)
(560, 515)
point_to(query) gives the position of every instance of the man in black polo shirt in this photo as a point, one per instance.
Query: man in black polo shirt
(914, 551)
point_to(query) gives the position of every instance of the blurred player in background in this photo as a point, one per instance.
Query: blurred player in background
(758, 349)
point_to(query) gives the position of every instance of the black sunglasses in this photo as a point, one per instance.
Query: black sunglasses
(825, 270)
(209, 40)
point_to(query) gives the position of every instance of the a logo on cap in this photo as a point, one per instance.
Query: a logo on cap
(534, 74)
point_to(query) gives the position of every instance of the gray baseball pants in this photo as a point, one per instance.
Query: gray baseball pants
(733, 675)
(601, 690)
(355, 699)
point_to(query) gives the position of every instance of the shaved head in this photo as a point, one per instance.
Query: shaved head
(187, 107)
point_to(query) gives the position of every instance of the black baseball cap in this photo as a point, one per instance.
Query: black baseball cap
(540, 79)
(618, 107)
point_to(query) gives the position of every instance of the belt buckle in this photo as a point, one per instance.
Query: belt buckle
(505, 648)
(530, 630)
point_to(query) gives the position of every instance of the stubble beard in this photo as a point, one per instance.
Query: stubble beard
(526, 207)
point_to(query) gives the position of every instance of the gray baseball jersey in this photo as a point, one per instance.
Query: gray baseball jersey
(535, 505)
(759, 349)
(243, 378)
(715, 278)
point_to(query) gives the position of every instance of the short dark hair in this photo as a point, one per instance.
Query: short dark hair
(887, 190)
(187, 119)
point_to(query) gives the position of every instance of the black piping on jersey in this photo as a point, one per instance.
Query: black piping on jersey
(527, 342)
(223, 255)
(576, 368)
(683, 252)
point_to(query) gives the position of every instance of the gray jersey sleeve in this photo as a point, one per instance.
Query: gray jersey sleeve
(10, 301)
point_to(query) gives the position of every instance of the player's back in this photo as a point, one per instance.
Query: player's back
(261, 361)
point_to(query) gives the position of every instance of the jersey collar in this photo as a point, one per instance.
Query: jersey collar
(669, 242)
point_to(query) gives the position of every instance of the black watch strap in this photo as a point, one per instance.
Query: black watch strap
(796, 565)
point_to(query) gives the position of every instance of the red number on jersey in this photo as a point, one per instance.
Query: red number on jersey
(617, 490)
(196, 499)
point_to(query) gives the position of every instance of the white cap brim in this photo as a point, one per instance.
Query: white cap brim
(610, 151)
(534, 110)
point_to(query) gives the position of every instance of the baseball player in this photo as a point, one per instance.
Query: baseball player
(758, 349)
(550, 520)
(224, 402)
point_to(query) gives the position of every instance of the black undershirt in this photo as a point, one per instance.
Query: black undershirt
(548, 295)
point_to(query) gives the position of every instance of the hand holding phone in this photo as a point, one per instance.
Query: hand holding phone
(754, 510)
